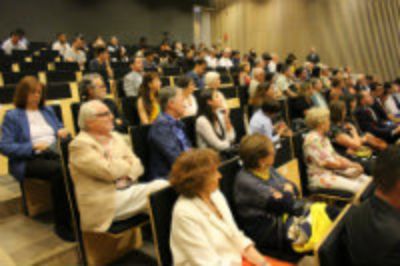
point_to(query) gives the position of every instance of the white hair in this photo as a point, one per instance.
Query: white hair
(211, 77)
(257, 71)
(87, 111)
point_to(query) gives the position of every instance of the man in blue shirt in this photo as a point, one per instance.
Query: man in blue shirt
(197, 74)
(167, 137)
(262, 121)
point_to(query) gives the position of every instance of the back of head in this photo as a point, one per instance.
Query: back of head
(253, 148)
(165, 95)
(210, 78)
(270, 106)
(316, 116)
(336, 109)
(86, 84)
(387, 169)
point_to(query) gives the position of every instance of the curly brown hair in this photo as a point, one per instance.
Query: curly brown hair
(191, 171)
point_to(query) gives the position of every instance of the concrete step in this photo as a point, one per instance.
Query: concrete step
(33, 242)
(10, 197)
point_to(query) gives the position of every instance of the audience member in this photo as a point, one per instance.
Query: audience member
(372, 230)
(378, 93)
(313, 57)
(244, 74)
(273, 63)
(225, 61)
(326, 168)
(391, 102)
(101, 64)
(167, 137)
(213, 82)
(13, 43)
(336, 92)
(213, 127)
(147, 105)
(29, 140)
(203, 231)
(197, 74)
(370, 122)
(264, 90)
(265, 121)
(345, 135)
(116, 50)
(317, 97)
(188, 87)
(284, 81)
(75, 53)
(268, 206)
(61, 45)
(258, 78)
(105, 172)
(301, 104)
(149, 62)
(211, 59)
(133, 80)
(92, 87)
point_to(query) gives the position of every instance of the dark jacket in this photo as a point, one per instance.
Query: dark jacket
(165, 146)
(369, 122)
(372, 234)
(380, 110)
(15, 142)
(259, 213)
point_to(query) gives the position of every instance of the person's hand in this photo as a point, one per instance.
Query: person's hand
(277, 195)
(288, 188)
(358, 167)
(396, 131)
(62, 133)
(41, 146)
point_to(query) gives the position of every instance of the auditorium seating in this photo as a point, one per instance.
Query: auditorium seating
(161, 204)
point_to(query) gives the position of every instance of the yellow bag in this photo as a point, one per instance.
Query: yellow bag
(320, 224)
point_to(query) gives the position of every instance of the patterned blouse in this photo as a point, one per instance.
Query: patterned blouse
(317, 149)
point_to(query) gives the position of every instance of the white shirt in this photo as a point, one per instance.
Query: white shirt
(206, 136)
(272, 66)
(191, 106)
(212, 62)
(40, 130)
(61, 48)
(390, 106)
(283, 83)
(76, 56)
(225, 62)
(199, 237)
(8, 46)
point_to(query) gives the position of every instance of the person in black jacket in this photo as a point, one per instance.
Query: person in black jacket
(372, 230)
(266, 203)
(370, 121)
(92, 87)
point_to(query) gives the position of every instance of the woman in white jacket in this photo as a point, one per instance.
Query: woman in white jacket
(203, 231)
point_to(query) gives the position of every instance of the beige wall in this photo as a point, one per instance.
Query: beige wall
(363, 34)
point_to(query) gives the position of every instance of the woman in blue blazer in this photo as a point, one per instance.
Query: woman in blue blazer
(28, 139)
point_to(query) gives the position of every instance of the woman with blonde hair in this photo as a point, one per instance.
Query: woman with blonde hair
(326, 168)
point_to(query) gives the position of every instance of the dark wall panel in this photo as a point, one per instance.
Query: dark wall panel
(128, 19)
